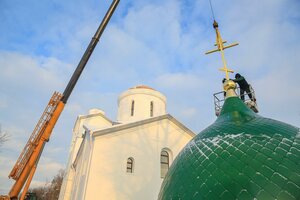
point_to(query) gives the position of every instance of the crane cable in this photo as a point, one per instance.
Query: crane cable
(212, 10)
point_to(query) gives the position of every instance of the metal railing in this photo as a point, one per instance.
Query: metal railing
(219, 99)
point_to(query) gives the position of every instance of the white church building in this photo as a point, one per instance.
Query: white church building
(125, 159)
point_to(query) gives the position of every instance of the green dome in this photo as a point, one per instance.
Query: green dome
(240, 156)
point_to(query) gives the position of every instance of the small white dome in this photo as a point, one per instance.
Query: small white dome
(140, 102)
(96, 111)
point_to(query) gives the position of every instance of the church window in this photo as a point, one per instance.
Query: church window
(151, 109)
(129, 167)
(164, 163)
(132, 107)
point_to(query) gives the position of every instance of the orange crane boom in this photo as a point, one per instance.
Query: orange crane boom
(26, 164)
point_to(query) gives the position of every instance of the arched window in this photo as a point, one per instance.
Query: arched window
(151, 109)
(132, 107)
(129, 167)
(164, 163)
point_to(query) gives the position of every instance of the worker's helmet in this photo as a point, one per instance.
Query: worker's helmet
(237, 75)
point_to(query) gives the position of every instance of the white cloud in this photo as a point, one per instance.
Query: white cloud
(189, 112)
(22, 72)
(3, 101)
(48, 168)
(6, 163)
(159, 43)
(179, 81)
(35, 183)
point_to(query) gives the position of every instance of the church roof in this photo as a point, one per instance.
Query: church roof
(142, 87)
(240, 156)
(119, 127)
(81, 117)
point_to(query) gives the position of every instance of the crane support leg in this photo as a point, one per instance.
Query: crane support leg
(28, 182)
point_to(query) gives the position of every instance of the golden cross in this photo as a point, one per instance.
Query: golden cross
(220, 47)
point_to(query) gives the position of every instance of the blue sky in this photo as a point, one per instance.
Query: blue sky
(151, 42)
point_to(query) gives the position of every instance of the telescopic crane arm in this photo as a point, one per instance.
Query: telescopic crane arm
(25, 166)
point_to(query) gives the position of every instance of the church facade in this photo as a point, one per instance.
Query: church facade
(127, 158)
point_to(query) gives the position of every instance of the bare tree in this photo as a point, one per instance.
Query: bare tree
(50, 191)
(3, 136)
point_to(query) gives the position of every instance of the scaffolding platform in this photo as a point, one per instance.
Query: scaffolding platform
(219, 99)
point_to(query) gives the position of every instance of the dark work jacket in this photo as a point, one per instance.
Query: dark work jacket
(242, 83)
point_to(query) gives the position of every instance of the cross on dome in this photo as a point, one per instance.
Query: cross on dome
(221, 47)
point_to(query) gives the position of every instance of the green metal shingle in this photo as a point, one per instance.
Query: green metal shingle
(240, 156)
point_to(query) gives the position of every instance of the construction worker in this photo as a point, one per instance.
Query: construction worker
(244, 86)
(223, 81)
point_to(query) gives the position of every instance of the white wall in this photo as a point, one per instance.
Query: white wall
(81, 169)
(108, 178)
(100, 165)
(94, 119)
(142, 98)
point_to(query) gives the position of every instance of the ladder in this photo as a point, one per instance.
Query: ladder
(35, 136)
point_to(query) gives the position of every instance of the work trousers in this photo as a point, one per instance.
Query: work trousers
(242, 91)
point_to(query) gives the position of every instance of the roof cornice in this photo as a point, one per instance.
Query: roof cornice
(81, 117)
(142, 122)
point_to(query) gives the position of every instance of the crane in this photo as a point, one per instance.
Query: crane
(24, 169)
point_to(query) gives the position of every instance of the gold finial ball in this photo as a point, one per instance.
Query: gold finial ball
(229, 84)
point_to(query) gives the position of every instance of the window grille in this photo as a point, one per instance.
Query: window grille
(164, 163)
(132, 108)
(151, 109)
(129, 167)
